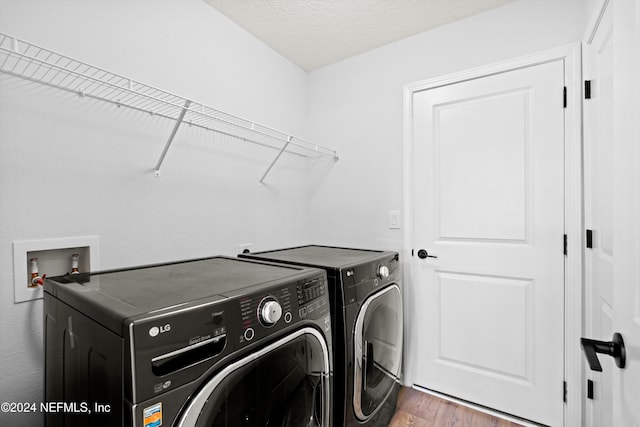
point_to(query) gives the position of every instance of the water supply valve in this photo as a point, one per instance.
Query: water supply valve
(75, 261)
(36, 280)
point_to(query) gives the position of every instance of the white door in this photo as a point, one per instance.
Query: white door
(599, 255)
(488, 201)
(612, 209)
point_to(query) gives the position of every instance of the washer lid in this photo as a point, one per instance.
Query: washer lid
(110, 297)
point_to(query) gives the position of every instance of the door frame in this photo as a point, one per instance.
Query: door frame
(573, 209)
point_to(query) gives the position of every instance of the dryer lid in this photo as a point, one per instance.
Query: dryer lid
(320, 256)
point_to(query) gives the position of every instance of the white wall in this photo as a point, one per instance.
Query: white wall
(357, 105)
(71, 167)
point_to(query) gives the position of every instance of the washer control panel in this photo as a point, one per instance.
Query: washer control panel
(263, 311)
(177, 347)
(262, 314)
(311, 296)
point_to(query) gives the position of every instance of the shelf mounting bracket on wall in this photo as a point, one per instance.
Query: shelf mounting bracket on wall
(40, 65)
(284, 147)
(172, 136)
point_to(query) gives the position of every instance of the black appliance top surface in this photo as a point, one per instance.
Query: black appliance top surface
(129, 292)
(320, 256)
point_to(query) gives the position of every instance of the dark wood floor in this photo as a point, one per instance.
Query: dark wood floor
(418, 409)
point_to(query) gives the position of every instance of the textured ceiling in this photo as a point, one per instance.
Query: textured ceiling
(315, 33)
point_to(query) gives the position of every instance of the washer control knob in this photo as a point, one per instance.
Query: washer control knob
(270, 312)
(383, 271)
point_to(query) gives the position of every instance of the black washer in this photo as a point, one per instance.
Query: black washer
(183, 344)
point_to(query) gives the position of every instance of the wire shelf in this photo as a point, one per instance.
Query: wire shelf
(37, 64)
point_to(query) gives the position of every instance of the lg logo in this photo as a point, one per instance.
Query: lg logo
(155, 331)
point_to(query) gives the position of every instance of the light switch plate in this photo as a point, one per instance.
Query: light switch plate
(394, 219)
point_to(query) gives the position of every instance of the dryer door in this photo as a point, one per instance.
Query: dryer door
(283, 384)
(378, 350)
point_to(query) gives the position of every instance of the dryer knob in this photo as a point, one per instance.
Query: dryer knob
(383, 271)
(270, 312)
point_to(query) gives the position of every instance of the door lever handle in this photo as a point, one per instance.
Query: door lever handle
(613, 348)
(422, 254)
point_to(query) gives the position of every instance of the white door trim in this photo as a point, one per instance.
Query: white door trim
(571, 55)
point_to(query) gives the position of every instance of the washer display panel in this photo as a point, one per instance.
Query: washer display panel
(283, 384)
(378, 350)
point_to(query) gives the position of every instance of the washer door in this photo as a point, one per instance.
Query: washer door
(283, 384)
(378, 350)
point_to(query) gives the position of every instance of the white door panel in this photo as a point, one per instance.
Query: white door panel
(466, 335)
(489, 203)
(626, 208)
(475, 203)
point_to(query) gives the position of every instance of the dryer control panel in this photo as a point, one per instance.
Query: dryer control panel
(361, 280)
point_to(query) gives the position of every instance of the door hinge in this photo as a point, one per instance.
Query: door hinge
(587, 89)
(590, 389)
(564, 391)
(564, 97)
(566, 243)
(590, 239)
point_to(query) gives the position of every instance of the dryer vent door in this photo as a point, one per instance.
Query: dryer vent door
(284, 384)
(378, 351)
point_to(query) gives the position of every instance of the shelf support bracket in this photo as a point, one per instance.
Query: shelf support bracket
(172, 136)
(15, 45)
(284, 147)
